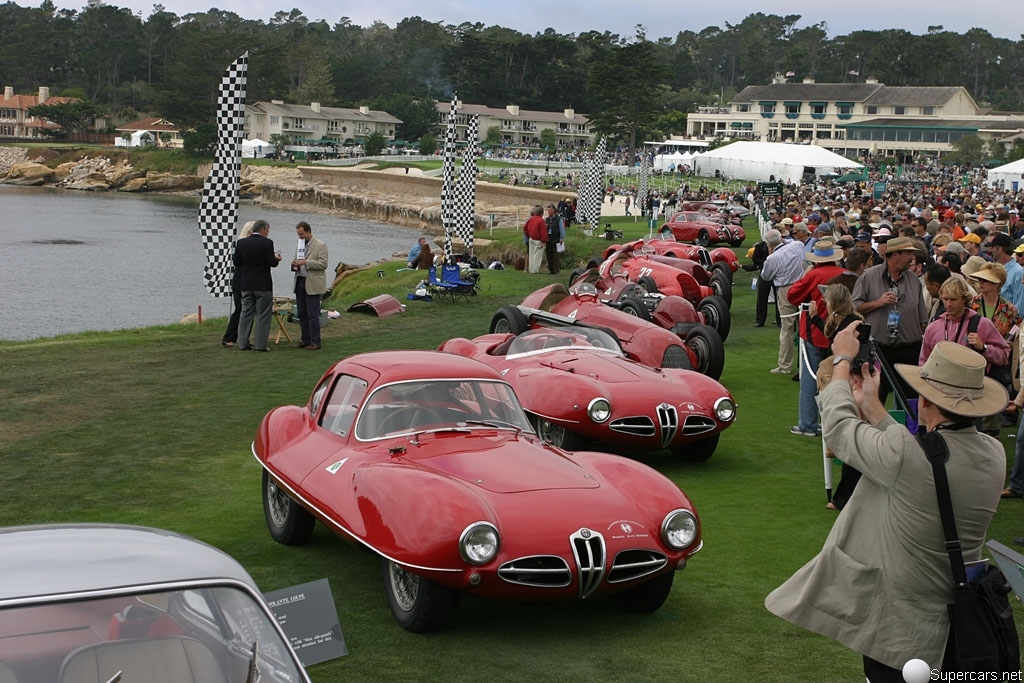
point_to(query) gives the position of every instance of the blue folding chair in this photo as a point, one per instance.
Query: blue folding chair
(439, 288)
(452, 274)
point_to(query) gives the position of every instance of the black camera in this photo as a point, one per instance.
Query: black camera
(866, 353)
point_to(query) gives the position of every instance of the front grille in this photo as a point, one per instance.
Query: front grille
(632, 564)
(546, 571)
(637, 425)
(668, 423)
(675, 357)
(697, 424)
(704, 258)
(589, 550)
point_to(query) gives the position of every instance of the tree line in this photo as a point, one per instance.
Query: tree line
(167, 65)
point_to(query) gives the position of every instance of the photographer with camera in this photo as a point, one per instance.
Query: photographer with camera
(881, 583)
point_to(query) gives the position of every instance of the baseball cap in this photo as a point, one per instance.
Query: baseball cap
(1001, 239)
(970, 237)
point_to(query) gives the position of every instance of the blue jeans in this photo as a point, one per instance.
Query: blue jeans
(808, 407)
(1017, 474)
(308, 308)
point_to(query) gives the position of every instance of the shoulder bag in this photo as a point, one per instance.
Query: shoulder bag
(982, 633)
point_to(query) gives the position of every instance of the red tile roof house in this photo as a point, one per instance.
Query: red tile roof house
(15, 121)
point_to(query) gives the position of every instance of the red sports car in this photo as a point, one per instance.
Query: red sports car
(671, 336)
(428, 460)
(703, 232)
(580, 390)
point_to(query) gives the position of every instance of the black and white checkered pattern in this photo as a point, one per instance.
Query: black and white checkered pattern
(448, 182)
(591, 192)
(218, 210)
(645, 183)
(465, 188)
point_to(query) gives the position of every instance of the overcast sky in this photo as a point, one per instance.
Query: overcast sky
(660, 17)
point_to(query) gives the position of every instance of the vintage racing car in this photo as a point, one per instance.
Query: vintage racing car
(428, 460)
(672, 335)
(702, 232)
(582, 392)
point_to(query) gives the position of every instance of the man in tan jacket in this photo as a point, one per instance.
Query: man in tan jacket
(310, 267)
(881, 583)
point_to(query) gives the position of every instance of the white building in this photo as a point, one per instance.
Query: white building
(520, 127)
(311, 124)
(854, 119)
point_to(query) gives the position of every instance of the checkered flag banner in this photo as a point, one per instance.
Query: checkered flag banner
(588, 205)
(465, 189)
(448, 182)
(218, 210)
(640, 203)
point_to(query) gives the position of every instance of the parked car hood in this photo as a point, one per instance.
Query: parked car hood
(594, 365)
(497, 463)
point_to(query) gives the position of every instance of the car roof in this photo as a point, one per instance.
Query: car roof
(394, 366)
(60, 559)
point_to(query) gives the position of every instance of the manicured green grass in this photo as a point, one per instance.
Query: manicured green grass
(154, 427)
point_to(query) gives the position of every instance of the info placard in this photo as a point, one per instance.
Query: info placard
(309, 618)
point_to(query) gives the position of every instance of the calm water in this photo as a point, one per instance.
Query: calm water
(76, 261)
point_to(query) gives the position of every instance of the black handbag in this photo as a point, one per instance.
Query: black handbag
(982, 633)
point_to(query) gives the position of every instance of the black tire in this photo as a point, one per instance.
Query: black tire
(574, 275)
(707, 346)
(417, 604)
(703, 238)
(288, 522)
(645, 598)
(724, 268)
(698, 451)
(648, 283)
(721, 286)
(716, 314)
(557, 435)
(510, 320)
(634, 307)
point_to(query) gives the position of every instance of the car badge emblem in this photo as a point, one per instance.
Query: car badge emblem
(333, 469)
(585, 533)
(626, 529)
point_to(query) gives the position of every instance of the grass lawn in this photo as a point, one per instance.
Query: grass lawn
(153, 427)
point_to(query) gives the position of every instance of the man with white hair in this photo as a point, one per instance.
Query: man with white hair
(783, 267)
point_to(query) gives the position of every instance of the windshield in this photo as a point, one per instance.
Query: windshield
(436, 404)
(549, 339)
(196, 634)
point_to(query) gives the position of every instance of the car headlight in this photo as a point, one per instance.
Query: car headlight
(725, 409)
(599, 410)
(479, 543)
(679, 529)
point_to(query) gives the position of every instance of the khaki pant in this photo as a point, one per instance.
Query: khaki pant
(786, 333)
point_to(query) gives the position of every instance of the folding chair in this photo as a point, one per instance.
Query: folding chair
(439, 288)
(453, 275)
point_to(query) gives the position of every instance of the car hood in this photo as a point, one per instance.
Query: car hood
(496, 462)
(594, 365)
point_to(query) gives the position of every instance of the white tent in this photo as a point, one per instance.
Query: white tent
(663, 162)
(760, 161)
(254, 148)
(1010, 176)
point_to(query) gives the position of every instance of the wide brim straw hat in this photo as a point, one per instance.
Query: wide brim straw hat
(825, 251)
(953, 378)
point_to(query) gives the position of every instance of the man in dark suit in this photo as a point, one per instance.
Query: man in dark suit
(254, 257)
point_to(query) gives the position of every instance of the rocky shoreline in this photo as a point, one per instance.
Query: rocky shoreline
(277, 187)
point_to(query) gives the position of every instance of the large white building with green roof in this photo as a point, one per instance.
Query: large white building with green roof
(854, 119)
